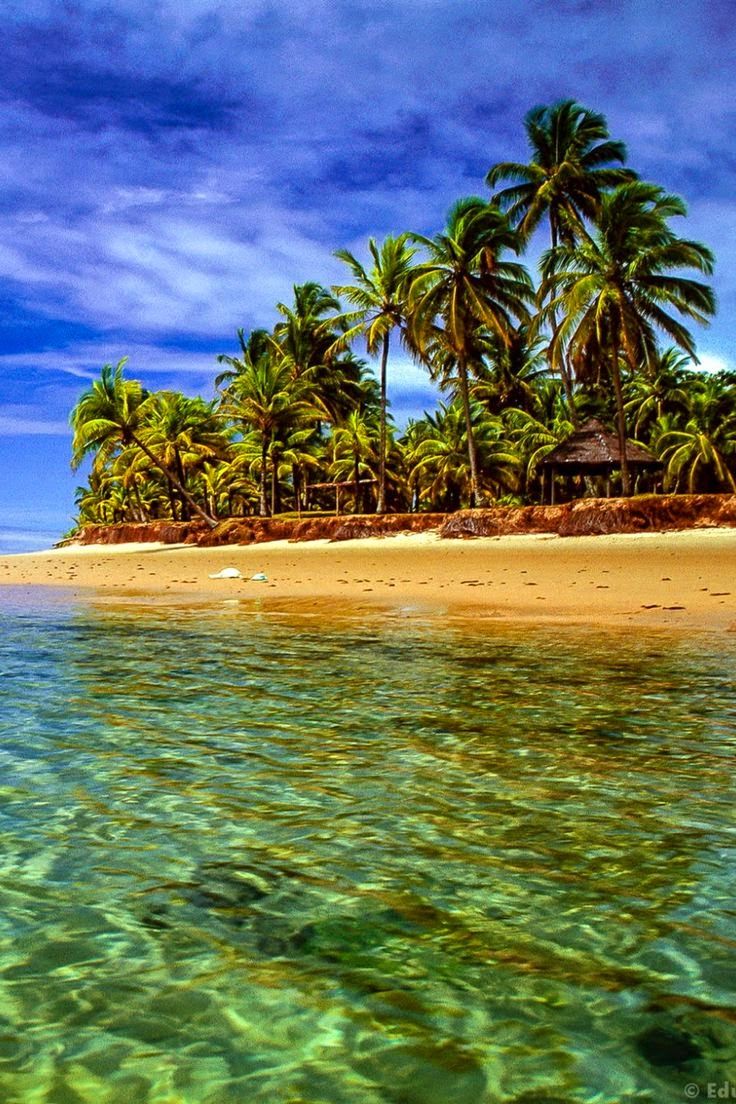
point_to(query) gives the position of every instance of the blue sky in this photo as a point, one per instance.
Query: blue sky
(170, 168)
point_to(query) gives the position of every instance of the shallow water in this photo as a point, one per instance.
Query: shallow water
(248, 857)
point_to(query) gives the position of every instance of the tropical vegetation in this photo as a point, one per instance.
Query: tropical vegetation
(298, 420)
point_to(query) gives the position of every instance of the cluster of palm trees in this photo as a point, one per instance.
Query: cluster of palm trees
(300, 422)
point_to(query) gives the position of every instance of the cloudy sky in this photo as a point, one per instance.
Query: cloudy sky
(171, 167)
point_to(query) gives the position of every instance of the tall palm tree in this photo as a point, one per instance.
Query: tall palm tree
(306, 339)
(573, 162)
(256, 347)
(613, 292)
(464, 286)
(380, 295)
(111, 413)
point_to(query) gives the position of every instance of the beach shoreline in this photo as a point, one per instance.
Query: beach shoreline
(674, 579)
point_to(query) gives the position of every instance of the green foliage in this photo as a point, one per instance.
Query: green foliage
(520, 365)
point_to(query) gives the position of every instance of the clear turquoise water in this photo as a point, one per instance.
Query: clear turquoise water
(254, 857)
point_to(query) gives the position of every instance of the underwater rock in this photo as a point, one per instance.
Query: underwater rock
(425, 1075)
(691, 1031)
(223, 886)
(272, 945)
(155, 919)
(665, 1045)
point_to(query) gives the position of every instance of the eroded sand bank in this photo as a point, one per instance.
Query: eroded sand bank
(678, 578)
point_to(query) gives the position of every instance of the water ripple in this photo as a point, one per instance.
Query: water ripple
(398, 860)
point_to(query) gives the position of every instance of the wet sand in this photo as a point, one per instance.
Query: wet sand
(684, 579)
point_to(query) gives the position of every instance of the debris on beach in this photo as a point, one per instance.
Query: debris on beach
(227, 573)
(259, 577)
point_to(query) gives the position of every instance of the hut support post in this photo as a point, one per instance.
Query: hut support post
(552, 472)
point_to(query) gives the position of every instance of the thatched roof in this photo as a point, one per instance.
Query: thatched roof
(594, 447)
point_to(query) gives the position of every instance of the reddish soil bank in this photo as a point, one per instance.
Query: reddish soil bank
(254, 530)
(596, 516)
(584, 517)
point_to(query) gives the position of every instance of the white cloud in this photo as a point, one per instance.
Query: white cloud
(710, 362)
(13, 426)
(85, 360)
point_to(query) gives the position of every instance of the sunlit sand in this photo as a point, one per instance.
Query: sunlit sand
(677, 578)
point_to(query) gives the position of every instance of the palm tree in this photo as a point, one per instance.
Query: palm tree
(223, 482)
(307, 331)
(268, 400)
(535, 438)
(616, 289)
(91, 499)
(354, 451)
(292, 451)
(380, 297)
(183, 432)
(113, 413)
(439, 453)
(661, 388)
(573, 163)
(437, 456)
(704, 448)
(145, 485)
(306, 340)
(572, 155)
(510, 372)
(254, 348)
(464, 286)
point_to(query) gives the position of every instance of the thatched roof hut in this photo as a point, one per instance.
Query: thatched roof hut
(594, 450)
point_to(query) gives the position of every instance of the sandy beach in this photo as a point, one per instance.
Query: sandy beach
(683, 579)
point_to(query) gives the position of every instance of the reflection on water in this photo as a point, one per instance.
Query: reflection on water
(268, 859)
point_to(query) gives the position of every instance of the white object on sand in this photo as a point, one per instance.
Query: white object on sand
(259, 577)
(227, 573)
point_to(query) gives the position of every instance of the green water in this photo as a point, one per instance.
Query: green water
(253, 857)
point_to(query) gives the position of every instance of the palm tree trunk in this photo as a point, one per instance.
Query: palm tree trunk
(137, 496)
(620, 421)
(172, 478)
(185, 511)
(462, 370)
(296, 478)
(263, 504)
(381, 504)
(275, 496)
(356, 477)
(564, 366)
(173, 504)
